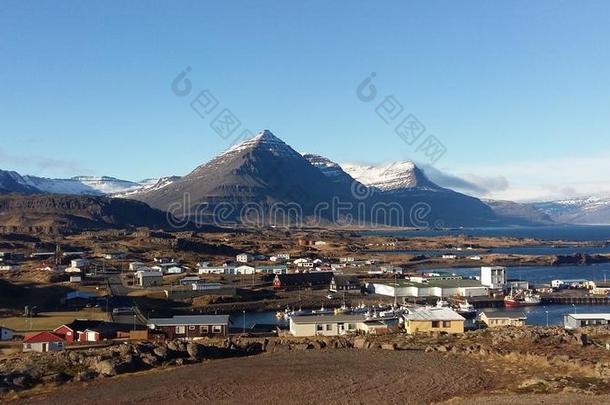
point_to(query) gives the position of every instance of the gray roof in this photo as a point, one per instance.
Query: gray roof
(190, 320)
(327, 318)
(433, 314)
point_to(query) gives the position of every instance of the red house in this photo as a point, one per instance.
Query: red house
(82, 330)
(43, 342)
(303, 280)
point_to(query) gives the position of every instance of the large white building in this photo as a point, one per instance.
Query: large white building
(493, 277)
(436, 288)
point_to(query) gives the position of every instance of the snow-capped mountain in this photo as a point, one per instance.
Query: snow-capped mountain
(147, 185)
(86, 185)
(329, 168)
(12, 182)
(392, 177)
(581, 210)
(263, 171)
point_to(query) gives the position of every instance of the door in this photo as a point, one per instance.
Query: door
(45, 347)
(341, 328)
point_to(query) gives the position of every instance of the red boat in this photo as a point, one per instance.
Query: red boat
(521, 300)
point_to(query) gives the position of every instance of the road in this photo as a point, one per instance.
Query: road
(118, 298)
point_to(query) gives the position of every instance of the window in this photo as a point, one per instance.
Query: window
(191, 327)
(203, 329)
(180, 330)
(446, 324)
(351, 326)
(329, 327)
(216, 329)
(319, 328)
(436, 324)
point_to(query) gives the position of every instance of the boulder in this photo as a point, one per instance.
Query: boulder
(106, 368)
(194, 350)
(160, 352)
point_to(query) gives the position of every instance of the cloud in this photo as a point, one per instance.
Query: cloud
(468, 183)
(40, 164)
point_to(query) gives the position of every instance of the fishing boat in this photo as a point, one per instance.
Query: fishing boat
(521, 299)
(466, 309)
(442, 304)
(322, 311)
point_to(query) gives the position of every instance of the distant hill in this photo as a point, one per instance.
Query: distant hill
(66, 213)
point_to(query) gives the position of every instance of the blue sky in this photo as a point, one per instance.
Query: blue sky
(517, 92)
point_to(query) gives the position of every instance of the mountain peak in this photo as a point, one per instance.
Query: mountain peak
(266, 135)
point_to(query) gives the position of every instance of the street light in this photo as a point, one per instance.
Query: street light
(244, 311)
(547, 318)
(574, 306)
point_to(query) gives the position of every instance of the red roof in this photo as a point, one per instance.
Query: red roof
(42, 337)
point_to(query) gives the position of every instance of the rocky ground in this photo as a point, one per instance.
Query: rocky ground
(526, 362)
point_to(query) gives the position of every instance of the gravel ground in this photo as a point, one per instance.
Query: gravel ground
(348, 376)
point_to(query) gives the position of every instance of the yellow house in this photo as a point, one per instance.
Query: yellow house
(433, 320)
(494, 319)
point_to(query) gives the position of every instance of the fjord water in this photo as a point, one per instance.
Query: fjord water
(556, 232)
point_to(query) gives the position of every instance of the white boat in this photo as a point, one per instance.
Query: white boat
(466, 309)
(322, 311)
(442, 304)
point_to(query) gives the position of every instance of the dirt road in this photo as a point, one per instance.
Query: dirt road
(297, 377)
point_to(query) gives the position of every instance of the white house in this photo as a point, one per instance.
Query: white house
(174, 270)
(243, 258)
(333, 325)
(493, 277)
(244, 269)
(449, 256)
(148, 278)
(135, 266)
(81, 263)
(216, 270)
(9, 267)
(275, 269)
(574, 321)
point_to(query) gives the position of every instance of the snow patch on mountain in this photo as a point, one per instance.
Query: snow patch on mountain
(91, 185)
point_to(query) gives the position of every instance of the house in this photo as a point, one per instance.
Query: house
(6, 333)
(391, 269)
(9, 267)
(244, 269)
(493, 276)
(243, 258)
(280, 257)
(497, 319)
(135, 266)
(449, 256)
(190, 326)
(43, 342)
(80, 263)
(79, 299)
(76, 279)
(216, 270)
(190, 280)
(148, 278)
(320, 243)
(174, 270)
(302, 280)
(334, 325)
(574, 321)
(84, 330)
(433, 319)
(340, 283)
(275, 269)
